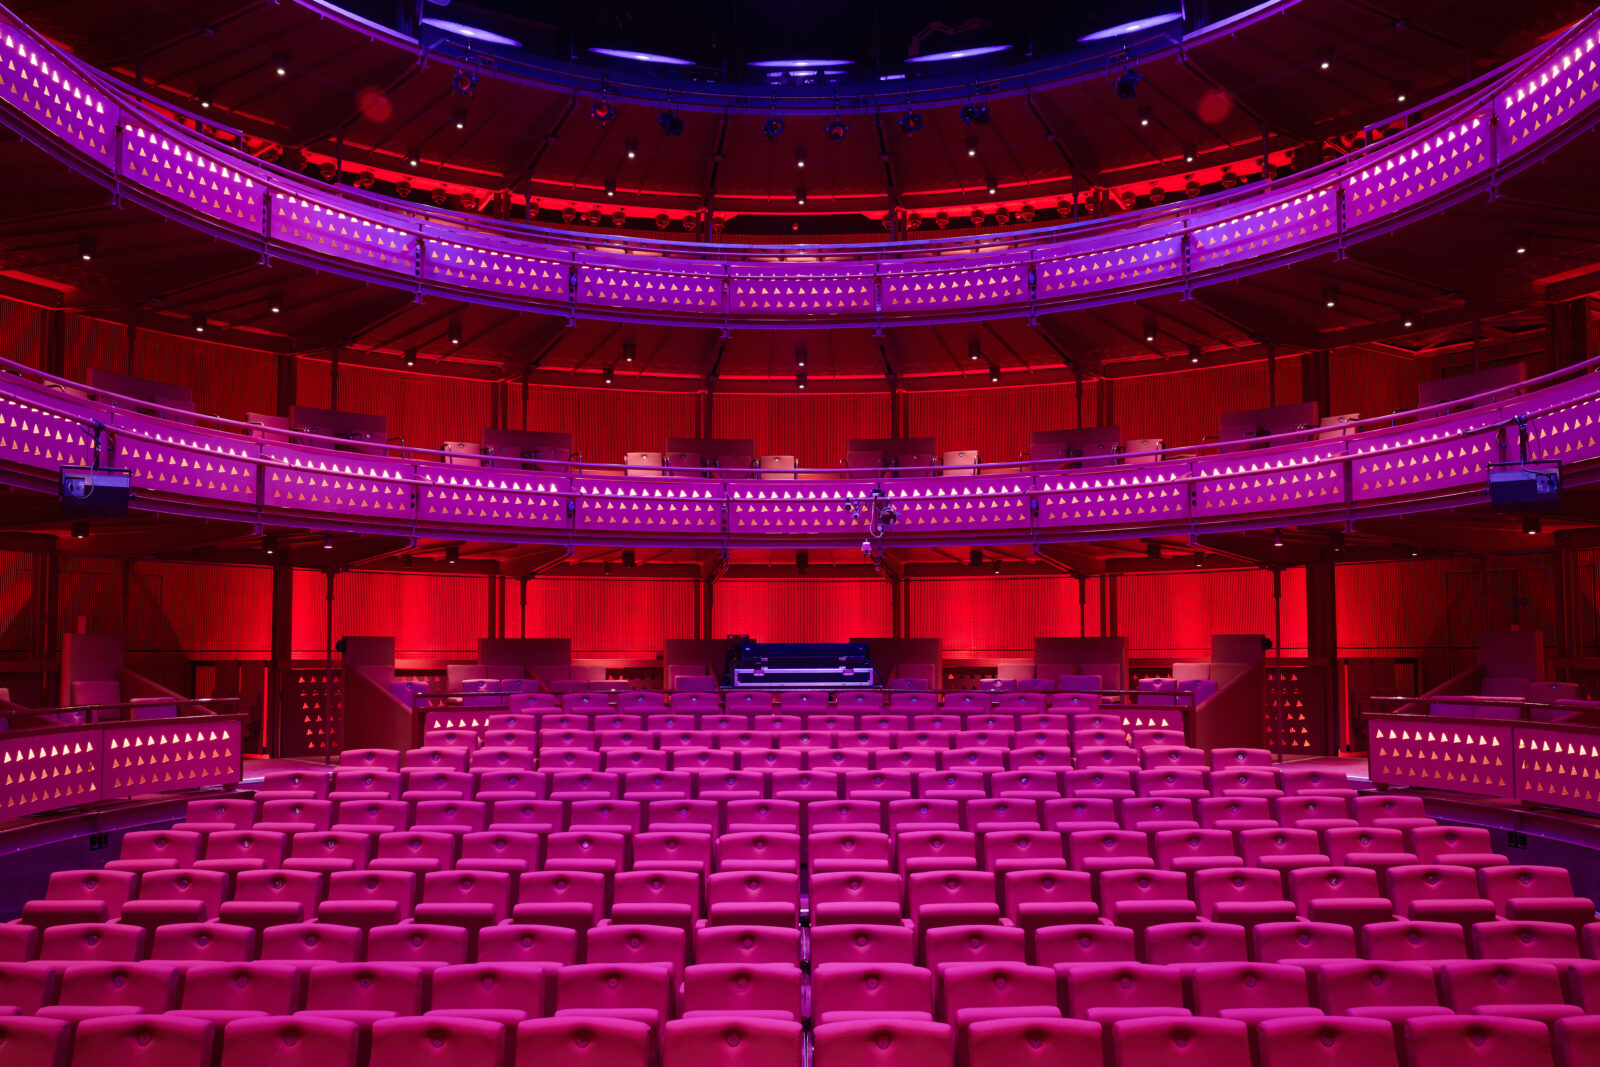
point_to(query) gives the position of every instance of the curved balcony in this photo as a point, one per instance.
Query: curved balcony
(1425, 460)
(1513, 120)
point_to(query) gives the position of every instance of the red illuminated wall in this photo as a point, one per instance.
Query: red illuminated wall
(620, 616)
(802, 609)
(606, 423)
(997, 421)
(976, 617)
(813, 428)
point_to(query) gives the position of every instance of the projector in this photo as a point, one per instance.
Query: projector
(90, 492)
(1525, 489)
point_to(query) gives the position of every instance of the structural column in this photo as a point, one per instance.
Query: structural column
(1322, 647)
(1567, 329)
(280, 655)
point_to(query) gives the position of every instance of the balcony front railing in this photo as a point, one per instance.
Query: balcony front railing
(100, 129)
(179, 461)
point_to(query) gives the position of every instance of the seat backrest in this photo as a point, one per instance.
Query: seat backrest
(1509, 939)
(145, 1041)
(1455, 1040)
(298, 1041)
(732, 1041)
(871, 986)
(273, 987)
(31, 986)
(1172, 1042)
(207, 887)
(423, 944)
(1218, 986)
(615, 985)
(1196, 942)
(105, 942)
(882, 1043)
(589, 1041)
(1276, 942)
(395, 987)
(1083, 943)
(1344, 984)
(1121, 985)
(753, 887)
(311, 941)
(116, 888)
(30, 1042)
(181, 847)
(1468, 984)
(1504, 883)
(949, 945)
(442, 1040)
(747, 944)
(735, 988)
(1429, 881)
(527, 943)
(210, 942)
(629, 944)
(1322, 883)
(152, 987)
(1413, 940)
(862, 943)
(1325, 1041)
(517, 986)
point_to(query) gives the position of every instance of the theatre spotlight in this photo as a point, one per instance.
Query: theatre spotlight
(836, 130)
(975, 114)
(86, 247)
(671, 123)
(1127, 84)
(455, 331)
(452, 554)
(410, 357)
(1531, 525)
(602, 111)
(772, 128)
(911, 122)
(800, 196)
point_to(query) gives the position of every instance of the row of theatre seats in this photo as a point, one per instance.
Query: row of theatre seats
(507, 904)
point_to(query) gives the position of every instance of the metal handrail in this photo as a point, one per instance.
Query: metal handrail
(1249, 448)
(880, 251)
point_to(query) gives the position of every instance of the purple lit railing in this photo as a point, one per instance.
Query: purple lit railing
(101, 129)
(69, 766)
(1554, 764)
(1418, 461)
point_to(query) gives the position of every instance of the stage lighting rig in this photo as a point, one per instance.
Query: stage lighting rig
(671, 123)
(602, 111)
(877, 512)
(975, 114)
(836, 130)
(1127, 83)
(772, 128)
(911, 122)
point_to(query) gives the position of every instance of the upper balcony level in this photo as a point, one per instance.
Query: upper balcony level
(1502, 126)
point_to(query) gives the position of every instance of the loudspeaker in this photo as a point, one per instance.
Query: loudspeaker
(102, 493)
(1522, 489)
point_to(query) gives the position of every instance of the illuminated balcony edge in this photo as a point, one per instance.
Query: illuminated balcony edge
(86, 121)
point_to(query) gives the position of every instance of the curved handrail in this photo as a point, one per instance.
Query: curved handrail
(1252, 446)
(1438, 462)
(1167, 250)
